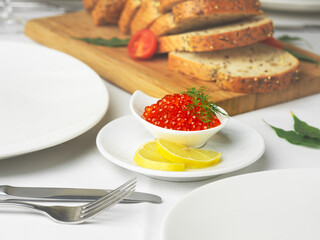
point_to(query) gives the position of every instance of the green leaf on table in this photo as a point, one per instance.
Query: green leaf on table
(112, 42)
(304, 129)
(290, 39)
(303, 134)
(294, 138)
(301, 56)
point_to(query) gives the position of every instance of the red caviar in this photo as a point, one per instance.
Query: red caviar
(172, 112)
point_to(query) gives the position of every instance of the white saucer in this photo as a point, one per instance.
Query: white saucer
(240, 145)
(46, 98)
(277, 205)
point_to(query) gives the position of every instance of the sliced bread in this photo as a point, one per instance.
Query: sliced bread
(107, 11)
(255, 68)
(130, 9)
(232, 35)
(89, 4)
(200, 14)
(146, 15)
(166, 5)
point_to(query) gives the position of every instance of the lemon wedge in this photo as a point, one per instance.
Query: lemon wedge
(192, 158)
(147, 156)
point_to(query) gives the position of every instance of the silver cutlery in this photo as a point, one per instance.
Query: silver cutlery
(67, 195)
(80, 214)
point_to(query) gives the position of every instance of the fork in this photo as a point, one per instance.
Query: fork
(80, 214)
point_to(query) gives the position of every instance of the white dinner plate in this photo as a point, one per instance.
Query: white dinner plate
(46, 98)
(240, 145)
(277, 205)
(291, 5)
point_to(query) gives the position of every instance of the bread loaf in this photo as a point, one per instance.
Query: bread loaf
(166, 5)
(128, 13)
(231, 35)
(256, 68)
(206, 13)
(201, 14)
(89, 4)
(146, 15)
(107, 11)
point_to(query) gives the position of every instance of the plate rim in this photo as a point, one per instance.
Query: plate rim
(178, 175)
(307, 6)
(75, 133)
(221, 181)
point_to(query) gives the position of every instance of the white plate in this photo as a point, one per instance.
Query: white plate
(277, 205)
(291, 5)
(46, 98)
(240, 145)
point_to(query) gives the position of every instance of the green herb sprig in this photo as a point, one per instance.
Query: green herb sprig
(303, 134)
(201, 99)
(112, 42)
(300, 56)
(294, 40)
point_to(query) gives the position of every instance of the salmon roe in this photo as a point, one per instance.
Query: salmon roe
(172, 112)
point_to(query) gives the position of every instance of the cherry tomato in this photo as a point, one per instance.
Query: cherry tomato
(273, 42)
(142, 44)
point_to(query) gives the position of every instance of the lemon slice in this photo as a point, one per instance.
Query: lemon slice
(147, 156)
(192, 158)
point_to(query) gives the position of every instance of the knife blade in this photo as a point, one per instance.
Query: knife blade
(67, 194)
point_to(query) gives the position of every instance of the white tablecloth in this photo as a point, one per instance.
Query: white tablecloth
(78, 163)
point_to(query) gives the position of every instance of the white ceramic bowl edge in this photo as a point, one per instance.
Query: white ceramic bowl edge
(194, 139)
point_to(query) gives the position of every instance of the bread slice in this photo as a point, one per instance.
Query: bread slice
(107, 11)
(146, 15)
(201, 14)
(256, 68)
(130, 9)
(89, 4)
(227, 10)
(232, 35)
(166, 5)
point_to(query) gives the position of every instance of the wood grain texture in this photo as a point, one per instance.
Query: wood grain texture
(152, 76)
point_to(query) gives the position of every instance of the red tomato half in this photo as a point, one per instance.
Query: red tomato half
(273, 42)
(142, 44)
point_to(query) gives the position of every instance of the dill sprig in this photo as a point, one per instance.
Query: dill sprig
(202, 100)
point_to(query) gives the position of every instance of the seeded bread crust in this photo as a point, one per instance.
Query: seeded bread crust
(232, 35)
(188, 11)
(166, 5)
(201, 14)
(146, 15)
(130, 9)
(89, 4)
(261, 84)
(165, 24)
(257, 68)
(107, 11)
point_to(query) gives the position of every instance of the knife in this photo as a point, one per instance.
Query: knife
(67, 194)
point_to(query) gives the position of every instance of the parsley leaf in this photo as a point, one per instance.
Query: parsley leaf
(112, 42)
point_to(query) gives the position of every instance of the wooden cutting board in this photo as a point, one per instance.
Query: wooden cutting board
(152, 76)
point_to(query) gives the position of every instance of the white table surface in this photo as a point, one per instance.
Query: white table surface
(78, 163)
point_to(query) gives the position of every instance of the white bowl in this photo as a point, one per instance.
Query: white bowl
(192, 139)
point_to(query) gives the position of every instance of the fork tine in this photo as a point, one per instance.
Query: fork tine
(109, 194)
(112, 196)
(108, 203)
